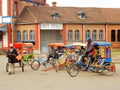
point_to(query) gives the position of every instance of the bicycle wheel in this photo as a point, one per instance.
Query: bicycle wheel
(110, 69)
(7, 66)
(73, 70)
(30, 60)
(22, 66)
(35, 65)
(54, 63)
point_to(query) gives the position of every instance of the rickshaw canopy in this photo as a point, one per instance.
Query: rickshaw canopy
(18, 45)
(102, 43)
(56, 44)
(28, 44)
(75, 44)
(79, 44)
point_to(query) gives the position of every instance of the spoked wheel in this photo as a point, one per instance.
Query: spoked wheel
(73, 70)
(35, 65)
(30, 60)
(108, 69)
(22, 66)
(7, 66)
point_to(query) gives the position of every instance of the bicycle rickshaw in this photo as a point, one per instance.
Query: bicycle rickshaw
(103, 62)
(18, 47)
(26, 56)
(37, 63)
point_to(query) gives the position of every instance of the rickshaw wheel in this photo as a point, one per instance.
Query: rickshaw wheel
(108, 69)
(7, 65)
(73, 70)
(35, 65)
(29, 61)
(22, 66)
(112, 69)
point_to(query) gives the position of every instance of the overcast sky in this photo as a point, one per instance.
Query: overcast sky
(87, 3)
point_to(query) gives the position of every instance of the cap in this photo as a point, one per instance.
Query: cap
(11, 45)
(89, 39)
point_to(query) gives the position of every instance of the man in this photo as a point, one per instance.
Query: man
(90, 51)
(11, 54)
(52, 54)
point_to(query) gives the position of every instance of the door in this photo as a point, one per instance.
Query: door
(49, 36)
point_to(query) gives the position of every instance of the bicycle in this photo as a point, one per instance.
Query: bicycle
(35, 65)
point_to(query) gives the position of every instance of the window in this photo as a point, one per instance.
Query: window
(18, 36)
(55, 15)
(70, 35)
(15, 8)
(113, 36)
(77, 35)
(32, 35)
(118, 35)
(87, 34)
(101, 35)
(94, 34)
(81, 15)
(25, 35)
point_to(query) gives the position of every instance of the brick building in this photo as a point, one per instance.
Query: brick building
(42, 25)
(9, 12)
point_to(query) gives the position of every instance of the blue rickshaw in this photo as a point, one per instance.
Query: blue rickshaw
(102, 61)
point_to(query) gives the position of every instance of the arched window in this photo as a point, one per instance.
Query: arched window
(77, 35)
(32, 35)
(87, 34)
(18, 36)
(113, 36)
(118, 35)
(94, 34)
(70, 35)
(25, 35)
(101, 35)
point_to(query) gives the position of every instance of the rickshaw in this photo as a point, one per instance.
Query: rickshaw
(18, 47)
(103, 62)
(26, 56)
(37, 63)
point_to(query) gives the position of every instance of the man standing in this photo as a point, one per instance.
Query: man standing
(11, 54)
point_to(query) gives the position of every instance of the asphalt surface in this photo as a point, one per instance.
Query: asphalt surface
(50, 80)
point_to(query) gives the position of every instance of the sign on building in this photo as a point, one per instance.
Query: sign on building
(51, 26)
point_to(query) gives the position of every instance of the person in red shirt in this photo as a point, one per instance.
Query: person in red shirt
(90, 52)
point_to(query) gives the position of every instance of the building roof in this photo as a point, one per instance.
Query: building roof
(42, 14)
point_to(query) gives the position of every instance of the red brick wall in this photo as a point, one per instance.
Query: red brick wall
(64, 34)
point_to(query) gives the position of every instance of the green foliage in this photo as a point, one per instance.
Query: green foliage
(2, 52)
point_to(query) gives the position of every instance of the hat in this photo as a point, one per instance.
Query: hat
(11, 45)
(89, 39)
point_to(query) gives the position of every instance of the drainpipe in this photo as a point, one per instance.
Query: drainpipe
(106, 32)
(39, 37)
(83, 33)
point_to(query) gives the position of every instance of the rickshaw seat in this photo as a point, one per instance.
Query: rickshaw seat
(108, 59)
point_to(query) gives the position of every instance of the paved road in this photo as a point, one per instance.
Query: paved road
(50, 80)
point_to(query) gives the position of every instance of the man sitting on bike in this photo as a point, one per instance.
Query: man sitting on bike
(52, 54)
(90, 51)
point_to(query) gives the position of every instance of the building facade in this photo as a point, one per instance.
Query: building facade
(43, 25)
(9, 12)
